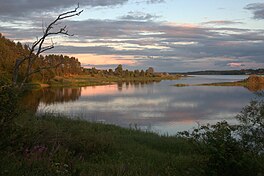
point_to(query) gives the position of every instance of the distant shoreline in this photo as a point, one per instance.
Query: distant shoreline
(253, 83)
(224, 72)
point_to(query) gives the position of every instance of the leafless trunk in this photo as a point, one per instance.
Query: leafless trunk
(37, 48)
(15, 71)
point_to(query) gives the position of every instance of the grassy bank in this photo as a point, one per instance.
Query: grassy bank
(252, 83)
(58, 146)
(87, 80)
(48, 145)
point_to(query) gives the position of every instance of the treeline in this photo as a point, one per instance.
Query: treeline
(259, 71)
(56, 65)
(9, 52)
(120, 72)
(62, 66)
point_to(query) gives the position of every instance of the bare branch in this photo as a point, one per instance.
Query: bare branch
(43, 49)
(37, 46)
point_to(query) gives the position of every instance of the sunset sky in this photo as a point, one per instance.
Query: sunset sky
(169, 35)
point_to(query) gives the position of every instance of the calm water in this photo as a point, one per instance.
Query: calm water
(157, 106)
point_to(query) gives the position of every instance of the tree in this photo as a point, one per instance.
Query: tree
(233, 149)
(142, 73)
(150, 71)
(110, 71)
(119, 70)
(251, 128)
(127, 73)
(136, 73)
(38, 47)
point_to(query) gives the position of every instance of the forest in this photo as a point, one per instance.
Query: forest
(60, 65)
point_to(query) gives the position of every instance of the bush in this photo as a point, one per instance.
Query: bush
(227, 149)
(251, 128)
(8, 109)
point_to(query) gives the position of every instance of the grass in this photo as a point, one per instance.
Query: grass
(87, 80)
(215, 84)
(182, 85)
(253, 84)
(49, 145)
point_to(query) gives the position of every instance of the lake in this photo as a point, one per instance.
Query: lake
(154, 106)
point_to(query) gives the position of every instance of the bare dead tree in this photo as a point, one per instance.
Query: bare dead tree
(38, 48)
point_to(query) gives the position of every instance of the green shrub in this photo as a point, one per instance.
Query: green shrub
(8, 109)
(225, 150)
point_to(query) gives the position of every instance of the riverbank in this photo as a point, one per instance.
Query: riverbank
(49, 145)
(88, 80)
(253, 83)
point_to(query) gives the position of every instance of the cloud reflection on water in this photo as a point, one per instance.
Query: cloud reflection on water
(159, 106)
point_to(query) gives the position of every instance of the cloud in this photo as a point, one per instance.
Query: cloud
(155, 1)
(144, 42)
(25, 8)
(139, 16)
(165, 46)
(22, 8)
(236, 64)
(222, 22)
(257, 9)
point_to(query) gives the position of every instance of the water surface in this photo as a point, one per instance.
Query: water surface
(156, 106)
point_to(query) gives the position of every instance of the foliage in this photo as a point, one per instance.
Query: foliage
(10, 51)
(251, 128)
(57, 146)
(119, 72)
(233, 149)
(8, 110)
(226, 155)
(150, 71)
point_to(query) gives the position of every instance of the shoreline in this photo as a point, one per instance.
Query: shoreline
(253, 83)
(85, 80)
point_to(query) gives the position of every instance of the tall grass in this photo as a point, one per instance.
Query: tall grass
(47, 145)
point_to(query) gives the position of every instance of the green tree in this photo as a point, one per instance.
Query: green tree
(142, 73)
(110, 72)
(150, 71)
(251, 128)
(136, 73)
(119, 70)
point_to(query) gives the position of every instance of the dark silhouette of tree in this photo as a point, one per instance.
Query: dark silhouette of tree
(38, 47)
(142, 73)
(136, 73)
(119, 70)
(150, 71)
(126, 73)
(110, 72)
(251, 128)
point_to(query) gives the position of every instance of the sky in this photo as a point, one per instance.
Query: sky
(169, 35)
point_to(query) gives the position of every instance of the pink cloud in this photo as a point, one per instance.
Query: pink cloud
(235, 64)
(103, 59)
